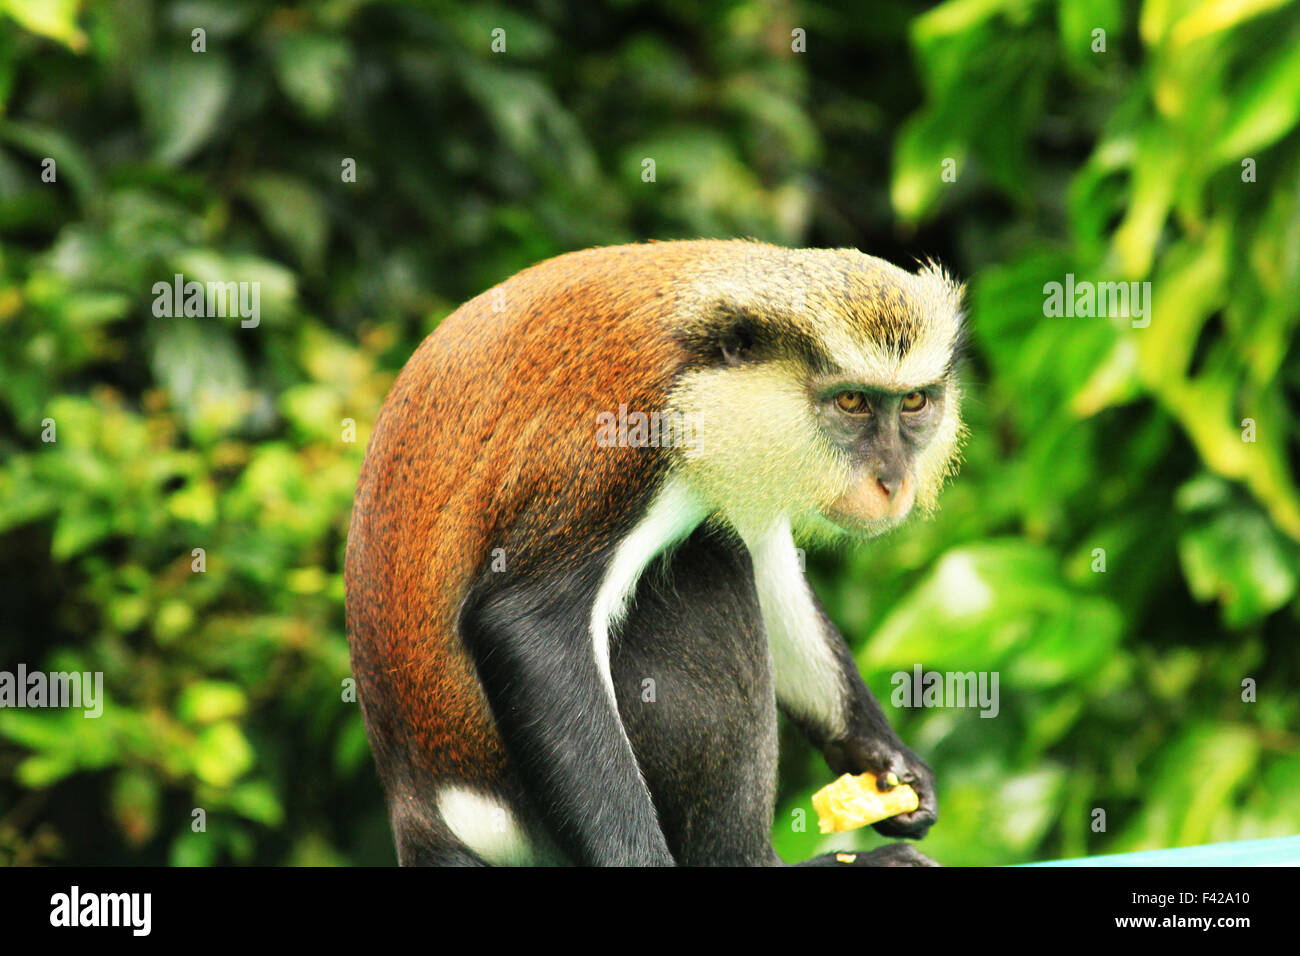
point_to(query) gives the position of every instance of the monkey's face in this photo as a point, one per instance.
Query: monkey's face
(840, 415)
(833, 455)
(879, 435)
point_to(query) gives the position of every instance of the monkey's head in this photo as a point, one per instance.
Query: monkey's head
(822, 389)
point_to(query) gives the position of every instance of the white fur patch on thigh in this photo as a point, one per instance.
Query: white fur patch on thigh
(486, 825)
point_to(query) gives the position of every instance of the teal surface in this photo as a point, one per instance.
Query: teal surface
(1279, 851)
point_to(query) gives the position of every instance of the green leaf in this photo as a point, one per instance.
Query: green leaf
(44, 770)
(204, 702)
(34, 729)
(982, 601)
(293, 213)
(71, 162)
(312, 70)
(256, 800)
(183, 99)
(1077, 20)
(222, 754)
(922, 148)
(1237, 559)
(1191, 787)
(197, 362)
(1267, 107)
(193, 849)
(272, 285)
(56, 19)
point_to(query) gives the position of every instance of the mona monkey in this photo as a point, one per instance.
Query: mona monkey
(572, 650)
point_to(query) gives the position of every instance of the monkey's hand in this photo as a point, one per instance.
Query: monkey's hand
(879, 757)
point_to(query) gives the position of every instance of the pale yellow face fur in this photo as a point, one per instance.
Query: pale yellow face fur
(760, 452)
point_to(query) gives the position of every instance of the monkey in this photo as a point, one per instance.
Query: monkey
(571, 642)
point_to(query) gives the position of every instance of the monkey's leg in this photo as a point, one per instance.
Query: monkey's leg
(531, 643)
(818, 685)
(895, 854)
(418, 845)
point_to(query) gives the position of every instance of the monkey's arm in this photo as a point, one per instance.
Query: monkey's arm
(533, 650)
(859, 738)
(818, 685)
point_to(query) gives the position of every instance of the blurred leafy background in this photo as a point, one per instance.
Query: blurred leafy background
(1119, 689)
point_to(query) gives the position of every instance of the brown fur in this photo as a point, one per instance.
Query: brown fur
(486, 441)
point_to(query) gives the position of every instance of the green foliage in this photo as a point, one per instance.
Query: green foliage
(1120, 688)
(1172, 448)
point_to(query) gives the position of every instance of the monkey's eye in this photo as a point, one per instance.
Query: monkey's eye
(855, 403)
(914, 401)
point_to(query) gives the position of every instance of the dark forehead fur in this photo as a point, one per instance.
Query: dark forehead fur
(879, 307)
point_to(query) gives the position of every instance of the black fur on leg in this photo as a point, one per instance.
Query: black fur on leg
(895, 854)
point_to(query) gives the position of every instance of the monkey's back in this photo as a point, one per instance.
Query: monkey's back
(483, 449)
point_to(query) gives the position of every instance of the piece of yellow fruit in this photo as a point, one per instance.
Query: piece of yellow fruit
(851, 802)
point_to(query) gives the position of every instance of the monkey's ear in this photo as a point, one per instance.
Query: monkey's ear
(736, 343)
(727, 336)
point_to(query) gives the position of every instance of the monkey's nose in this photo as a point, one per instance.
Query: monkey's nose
(889, 485)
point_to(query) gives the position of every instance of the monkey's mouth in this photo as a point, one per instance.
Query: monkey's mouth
(869, 508)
